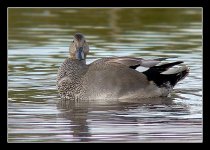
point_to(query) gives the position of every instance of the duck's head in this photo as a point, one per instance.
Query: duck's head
(79, 47)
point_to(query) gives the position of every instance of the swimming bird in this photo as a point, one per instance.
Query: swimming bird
(114, 77)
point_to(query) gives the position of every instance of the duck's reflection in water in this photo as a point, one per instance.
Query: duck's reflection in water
(84, 115)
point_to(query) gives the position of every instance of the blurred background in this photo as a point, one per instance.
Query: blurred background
(38, 42)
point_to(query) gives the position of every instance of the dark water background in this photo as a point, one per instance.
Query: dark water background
(38, 41)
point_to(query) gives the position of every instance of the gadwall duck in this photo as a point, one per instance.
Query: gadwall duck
(114, 77)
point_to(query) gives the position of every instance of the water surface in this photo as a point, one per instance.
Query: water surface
(38, 42)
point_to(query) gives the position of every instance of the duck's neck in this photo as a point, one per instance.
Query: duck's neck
(82, 61)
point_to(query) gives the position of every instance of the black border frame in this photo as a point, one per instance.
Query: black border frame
(4, 4)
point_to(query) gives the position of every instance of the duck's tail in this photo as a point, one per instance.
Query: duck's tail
(163, 76)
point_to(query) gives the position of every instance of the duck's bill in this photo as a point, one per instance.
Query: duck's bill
(80, 54)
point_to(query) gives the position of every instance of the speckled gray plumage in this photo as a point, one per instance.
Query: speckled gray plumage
(102, 80)
(69, 76)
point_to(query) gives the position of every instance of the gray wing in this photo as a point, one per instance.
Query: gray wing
(135, 62)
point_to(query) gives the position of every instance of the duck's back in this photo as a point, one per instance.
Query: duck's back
(115, 81)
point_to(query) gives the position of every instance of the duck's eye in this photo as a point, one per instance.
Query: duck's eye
(73, 41)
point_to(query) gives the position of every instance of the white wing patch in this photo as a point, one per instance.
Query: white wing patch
(141, 69)
(175, 70)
